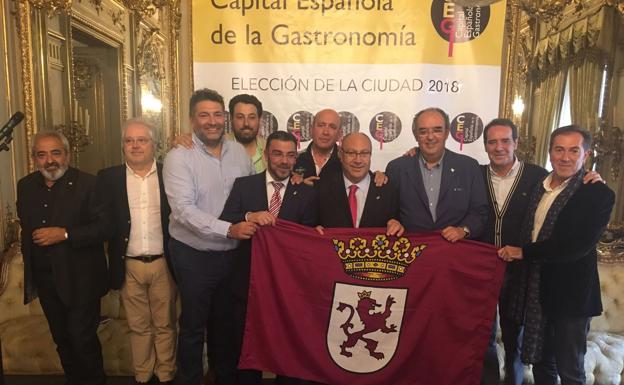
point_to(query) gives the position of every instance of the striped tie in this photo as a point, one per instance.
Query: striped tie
(276, 199)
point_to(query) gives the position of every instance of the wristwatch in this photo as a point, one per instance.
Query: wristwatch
(466, 230)
(66, 235)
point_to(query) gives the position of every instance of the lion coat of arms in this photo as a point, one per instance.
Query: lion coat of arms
(363, 333)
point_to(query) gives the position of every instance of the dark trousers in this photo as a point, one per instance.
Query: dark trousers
(74, 331)
(512, 341)
(491, 372)
(199, 275)
(565, 344)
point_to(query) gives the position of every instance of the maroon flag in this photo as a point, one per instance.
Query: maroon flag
(357, 307)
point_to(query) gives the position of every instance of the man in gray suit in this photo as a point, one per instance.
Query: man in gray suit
(438, 188)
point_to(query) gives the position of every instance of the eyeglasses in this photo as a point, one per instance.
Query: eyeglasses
(142, 141)
(279, 155)
(437, 131)
(354, 154)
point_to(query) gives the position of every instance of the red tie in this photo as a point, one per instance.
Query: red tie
(276, 199)
(353, 203)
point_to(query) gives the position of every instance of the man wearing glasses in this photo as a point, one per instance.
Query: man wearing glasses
(351, 198)
(139, 212)
(438, 188)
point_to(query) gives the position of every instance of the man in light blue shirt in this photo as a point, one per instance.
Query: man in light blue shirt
(197, 183)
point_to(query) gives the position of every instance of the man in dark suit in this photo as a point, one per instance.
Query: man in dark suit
(561, 289)
(136, 204)
(350, 198)
(438, 188)
(260, 198)
(63, 228)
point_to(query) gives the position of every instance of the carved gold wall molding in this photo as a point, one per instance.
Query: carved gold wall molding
(24, 32)
(53, 7)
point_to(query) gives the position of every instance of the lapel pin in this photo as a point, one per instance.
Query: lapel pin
(70, 183)
(452, 170)
(294, 193)
(377, 197)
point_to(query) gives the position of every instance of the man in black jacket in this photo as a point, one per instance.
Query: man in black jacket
(63, 228)
(261, 199)
(321, 156)
(561, 291)
(137, 206)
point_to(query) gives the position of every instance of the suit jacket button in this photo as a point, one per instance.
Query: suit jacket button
(126, 239)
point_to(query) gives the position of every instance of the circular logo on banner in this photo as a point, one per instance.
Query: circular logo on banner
(348, 123)
(385, 127)
(299, 124)
(466, 127)
(268, 124)
(459, 24)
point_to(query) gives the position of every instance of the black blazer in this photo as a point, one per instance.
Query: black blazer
(111, 184)
(382, 203)
(569, 281)
(249, 194)
(79, 263)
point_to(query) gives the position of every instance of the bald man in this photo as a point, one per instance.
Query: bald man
(321, 156)
(350, 198)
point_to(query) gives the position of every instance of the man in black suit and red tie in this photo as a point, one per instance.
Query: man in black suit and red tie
(261, 199)
(136, 204)
(350, 198)
(63, 229)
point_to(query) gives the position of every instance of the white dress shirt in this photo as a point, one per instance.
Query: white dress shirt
(270, 189)
(146, 236)
(502, 184)
(360, 194)
(544, 205)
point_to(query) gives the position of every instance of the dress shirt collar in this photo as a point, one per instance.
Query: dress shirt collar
(269, 179)
(362, 185)
(512, 172)
(224, 145)
(423, 162)
(130, 171)
(548, 179)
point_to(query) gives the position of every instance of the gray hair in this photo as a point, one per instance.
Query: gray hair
(142, 122)
(49, 134)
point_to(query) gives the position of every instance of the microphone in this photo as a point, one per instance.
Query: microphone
(6, 132)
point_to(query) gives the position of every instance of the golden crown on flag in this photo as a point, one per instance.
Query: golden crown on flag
(377, 261)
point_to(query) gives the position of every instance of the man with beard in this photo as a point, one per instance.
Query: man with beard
(197, 183)
(245, 113)
(64, 264)
(260, 199)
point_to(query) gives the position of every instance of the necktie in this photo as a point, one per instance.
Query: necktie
(353, 203)
(276, 199)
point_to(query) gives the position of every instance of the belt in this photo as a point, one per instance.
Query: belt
(145, 258)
